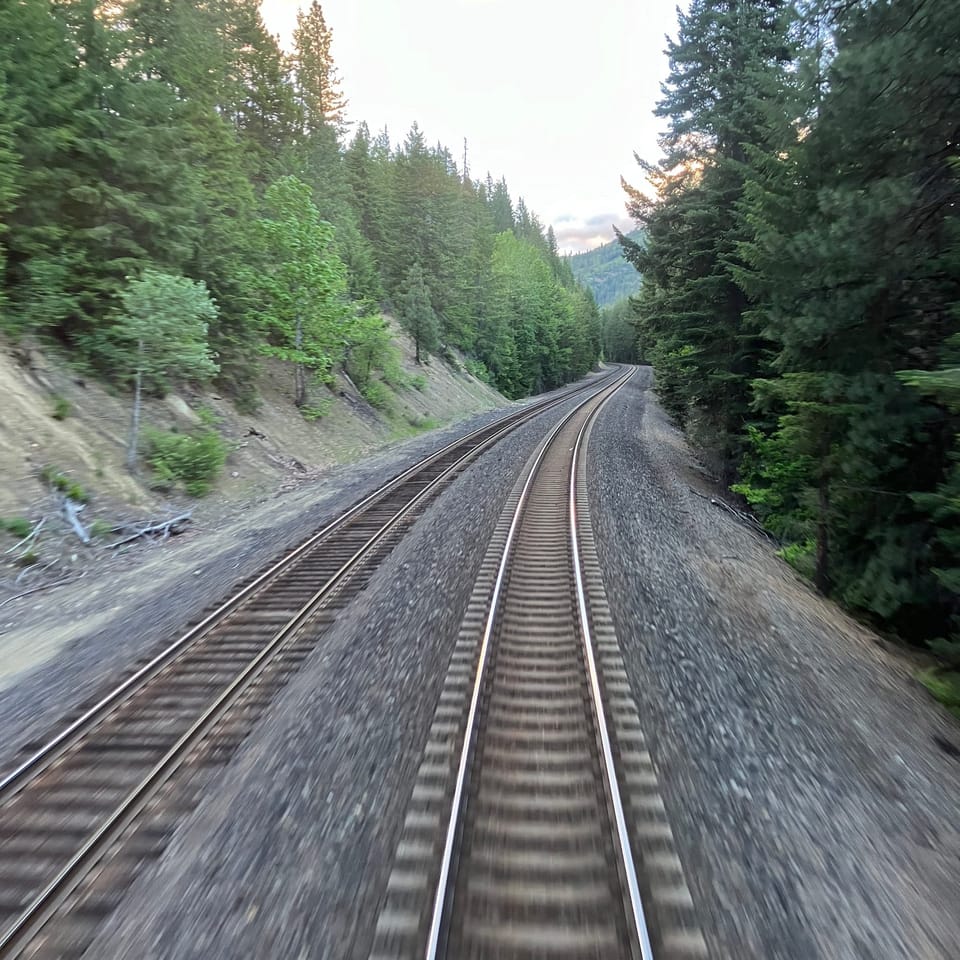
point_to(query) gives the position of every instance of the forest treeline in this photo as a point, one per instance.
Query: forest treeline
(606, 273)
(801, 284)
(144, 140)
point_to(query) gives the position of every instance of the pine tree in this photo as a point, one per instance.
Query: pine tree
(690, 307)
(854, 278)
(318, 86)
(501, 206)
(302, 285)
(415, 312)
(263, 105)
(9, 171)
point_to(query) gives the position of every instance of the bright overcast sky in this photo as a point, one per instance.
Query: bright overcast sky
(554, 96)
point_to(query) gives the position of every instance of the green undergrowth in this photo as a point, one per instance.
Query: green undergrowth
(412, 426)
(19, 527)
(60, 482)
(193, 460)
(317, 409)
(62, 408)
(378, 395)
(944, 685)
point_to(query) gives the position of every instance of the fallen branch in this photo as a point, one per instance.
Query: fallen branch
(167, 528)
(747, 518)
(45, 586)
(35, 568)
(30, 537)
(70, 510)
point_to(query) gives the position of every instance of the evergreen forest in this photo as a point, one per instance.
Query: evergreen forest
(152, 149)
(801, 285)
(606, 273)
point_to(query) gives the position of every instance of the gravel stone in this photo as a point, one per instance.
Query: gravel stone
(814, 812)
(288, 854)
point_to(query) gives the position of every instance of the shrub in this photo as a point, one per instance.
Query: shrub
(422, 423)
(207, 416)
(61, 408)
(418, 382)
(449, 358)
(316, 410)
(478, 369)
(20, 527)
(100, 528)
(800, 556)
(944, 685)
(947, 650)
(193, 459)
(393, 376)
(248, 402)
(377, 395)
(62, 483)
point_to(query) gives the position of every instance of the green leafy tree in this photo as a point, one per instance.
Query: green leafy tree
(415, 312)
(162, 333)
(371, 349)
(301, 284)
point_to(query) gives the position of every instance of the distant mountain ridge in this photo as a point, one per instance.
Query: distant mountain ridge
(606, 273)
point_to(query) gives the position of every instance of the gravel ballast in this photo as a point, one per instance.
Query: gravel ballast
(324, 780)
(814, 810)
(59, 648)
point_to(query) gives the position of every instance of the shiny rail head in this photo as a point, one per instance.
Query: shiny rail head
(443, 893)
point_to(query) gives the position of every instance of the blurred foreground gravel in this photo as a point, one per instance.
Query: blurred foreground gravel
(812, 806)
(805, 773)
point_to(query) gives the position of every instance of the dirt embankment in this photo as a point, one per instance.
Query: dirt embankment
(273, 449)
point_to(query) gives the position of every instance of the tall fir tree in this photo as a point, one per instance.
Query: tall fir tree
(852, 266)
(318, 86)
(690, 308)
(416, 314)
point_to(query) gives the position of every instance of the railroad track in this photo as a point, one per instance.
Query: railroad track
(81, 812)
(536, 800)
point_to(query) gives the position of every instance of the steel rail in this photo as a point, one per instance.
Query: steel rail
(46, 902)
(639, 925)
(46, 754)
(463, 767)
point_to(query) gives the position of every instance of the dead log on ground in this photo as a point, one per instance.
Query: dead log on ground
(747, 518)
(165, 529)
(70, 509)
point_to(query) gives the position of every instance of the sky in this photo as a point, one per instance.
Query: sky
(555, 96)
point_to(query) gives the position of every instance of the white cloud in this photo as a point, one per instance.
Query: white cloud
(552, 96)
(574, 235)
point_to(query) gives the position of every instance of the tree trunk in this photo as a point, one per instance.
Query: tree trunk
(135, 416)
(822, 574)
(300, 380)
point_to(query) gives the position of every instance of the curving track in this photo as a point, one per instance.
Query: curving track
(536, 798)
(103, 793)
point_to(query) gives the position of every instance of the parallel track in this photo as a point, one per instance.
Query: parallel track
(536, 829)
(544, 864)
(66, 806)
